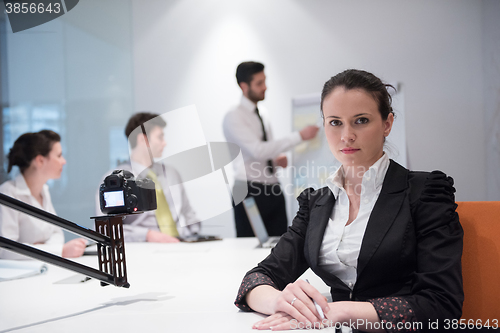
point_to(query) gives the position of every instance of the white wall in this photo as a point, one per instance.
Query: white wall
(186, 52)
(491, 93)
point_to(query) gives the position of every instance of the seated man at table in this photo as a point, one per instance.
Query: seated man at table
(167, 223)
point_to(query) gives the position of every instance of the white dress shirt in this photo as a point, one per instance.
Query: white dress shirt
(136, 227)
(24, 228)
(341, 243)
(242, 126)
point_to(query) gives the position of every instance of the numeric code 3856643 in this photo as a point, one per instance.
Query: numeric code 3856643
(470, 323)
(32, 8)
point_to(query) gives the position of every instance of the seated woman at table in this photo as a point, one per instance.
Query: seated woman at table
(39, 158)
(385, 239)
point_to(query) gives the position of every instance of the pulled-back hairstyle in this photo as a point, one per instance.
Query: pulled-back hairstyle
(30, 145)
(149, 120)
(246, 70)
(358, 79)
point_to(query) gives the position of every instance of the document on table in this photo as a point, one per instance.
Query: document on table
(18, 269)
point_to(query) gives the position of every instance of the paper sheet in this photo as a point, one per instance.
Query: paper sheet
(18, 269)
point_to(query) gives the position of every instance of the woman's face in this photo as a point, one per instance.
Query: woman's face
(354, 127)
(54, 161)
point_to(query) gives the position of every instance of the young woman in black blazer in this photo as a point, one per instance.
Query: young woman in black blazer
(401, 267)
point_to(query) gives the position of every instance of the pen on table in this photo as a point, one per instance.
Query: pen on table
(320, 311)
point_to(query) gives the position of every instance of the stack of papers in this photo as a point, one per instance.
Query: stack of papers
(18, 269)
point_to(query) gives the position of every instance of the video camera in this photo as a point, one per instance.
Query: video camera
(121, 193)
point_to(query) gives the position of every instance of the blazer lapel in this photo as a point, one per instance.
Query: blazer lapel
(318, 220)
(384, 212)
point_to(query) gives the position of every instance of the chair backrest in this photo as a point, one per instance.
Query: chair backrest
(481, 259)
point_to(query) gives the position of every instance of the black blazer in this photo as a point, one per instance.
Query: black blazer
(411, 249)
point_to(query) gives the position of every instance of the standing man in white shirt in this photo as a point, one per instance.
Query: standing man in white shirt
(246, 126)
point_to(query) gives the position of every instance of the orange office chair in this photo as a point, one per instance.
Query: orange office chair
(481, 259)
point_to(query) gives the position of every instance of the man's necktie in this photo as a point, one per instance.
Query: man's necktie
(164, 217)
(264, 138)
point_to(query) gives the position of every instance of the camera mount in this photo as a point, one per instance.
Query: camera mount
(109, 238)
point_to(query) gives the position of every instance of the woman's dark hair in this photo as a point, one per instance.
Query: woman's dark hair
(30, 145)
(358, 79)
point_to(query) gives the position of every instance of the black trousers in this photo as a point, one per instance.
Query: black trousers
(271, 203)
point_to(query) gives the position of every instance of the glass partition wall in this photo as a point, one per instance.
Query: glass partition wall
(72, 75)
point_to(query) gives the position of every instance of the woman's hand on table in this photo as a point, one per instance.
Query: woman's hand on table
(294, 308)
(74, 248)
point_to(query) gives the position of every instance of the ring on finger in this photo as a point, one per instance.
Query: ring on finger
(293, 300)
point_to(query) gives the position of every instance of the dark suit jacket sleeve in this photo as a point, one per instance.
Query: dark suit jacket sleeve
(286, 262)
(437, 291)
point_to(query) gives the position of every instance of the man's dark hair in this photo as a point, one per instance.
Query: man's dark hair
(246, 70)
(149, 120)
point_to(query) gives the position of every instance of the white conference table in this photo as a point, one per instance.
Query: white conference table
(184, 287)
